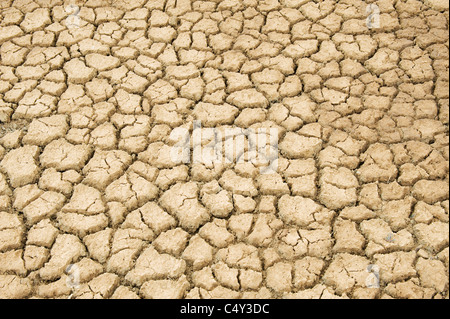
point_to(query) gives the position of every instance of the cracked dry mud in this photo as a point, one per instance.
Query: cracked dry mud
(86, 178)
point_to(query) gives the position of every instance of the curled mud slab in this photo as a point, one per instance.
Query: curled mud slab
(96, 95)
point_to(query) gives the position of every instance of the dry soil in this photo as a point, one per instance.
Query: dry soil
(92, 206)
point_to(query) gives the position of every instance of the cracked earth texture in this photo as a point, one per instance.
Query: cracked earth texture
(91, 90)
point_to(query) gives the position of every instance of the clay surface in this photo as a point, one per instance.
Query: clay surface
(97, 96)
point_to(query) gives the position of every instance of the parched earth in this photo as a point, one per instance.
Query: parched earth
(92, 204)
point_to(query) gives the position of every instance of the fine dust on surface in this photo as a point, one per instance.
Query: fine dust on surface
(91, 90)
